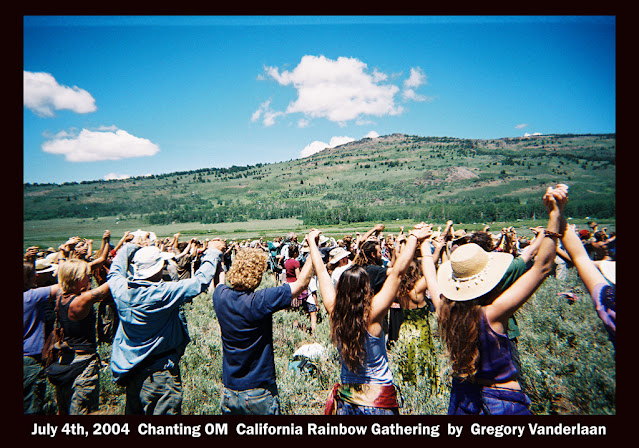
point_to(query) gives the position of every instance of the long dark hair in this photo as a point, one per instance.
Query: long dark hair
(459, 326)
(350, 316)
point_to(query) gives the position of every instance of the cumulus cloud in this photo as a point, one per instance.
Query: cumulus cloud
(98, 145)
(416, 79)
(43, 95)
(318, 146)
(114, 176)
(371, 134)
(521, 126)
(338, 90)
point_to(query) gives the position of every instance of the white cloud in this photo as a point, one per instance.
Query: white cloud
(265, 113)
(417, 78)
(114, 176)
(521, 126)
(312, 148)
(338, 90)
(42, 94)
(318, 146)
(95, 146)
(371, 134)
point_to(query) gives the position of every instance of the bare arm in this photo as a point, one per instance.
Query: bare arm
(530, 251)
(375, 230)
(104, 251)
(324, 282)
(303, 279)
(504, 306)
(430, 275)
(80, 307)
(384, 298)
(586, 267)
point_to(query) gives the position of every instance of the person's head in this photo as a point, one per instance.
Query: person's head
(73, 275)
(482, 239)
(291, 237)
(370, 253)
(45, 272)
(148, 264)
(468, 281)
(338, 257)
(248, 267)
(28, 274)
(350, 315)
(182, 245)
(293, 251)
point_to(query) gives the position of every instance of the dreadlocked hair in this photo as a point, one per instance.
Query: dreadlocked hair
(349, 320)
(365, 255)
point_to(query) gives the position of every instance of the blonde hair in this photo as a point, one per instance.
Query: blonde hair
(71, 272)
(247, 269)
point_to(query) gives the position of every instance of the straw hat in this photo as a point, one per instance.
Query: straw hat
(147, 262)
(471, 272)
(43, 266)
(337, 254)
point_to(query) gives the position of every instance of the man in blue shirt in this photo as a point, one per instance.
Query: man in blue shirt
(245, 318)
(152, 334)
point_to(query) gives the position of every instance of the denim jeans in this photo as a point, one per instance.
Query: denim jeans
(259, 401)
(469, 398)
(155, 392)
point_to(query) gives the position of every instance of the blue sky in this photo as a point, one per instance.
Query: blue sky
(111, 97)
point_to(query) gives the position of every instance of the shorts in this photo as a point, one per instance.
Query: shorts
(309, 307)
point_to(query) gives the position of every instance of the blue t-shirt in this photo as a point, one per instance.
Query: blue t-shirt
(34, 301)
(246, 324)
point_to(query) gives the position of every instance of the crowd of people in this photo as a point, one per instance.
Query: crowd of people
(374, 287)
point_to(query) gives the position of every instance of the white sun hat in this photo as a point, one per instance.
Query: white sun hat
(471, 272)
(147, 262)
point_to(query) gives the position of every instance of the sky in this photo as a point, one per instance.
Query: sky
(111, 97)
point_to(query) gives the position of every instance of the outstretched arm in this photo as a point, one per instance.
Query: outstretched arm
(430, 274)
(504, 306)
(303, 279)
(80, 307)
(586, 267)
(324, 282)
(104, 251)
(384, 298)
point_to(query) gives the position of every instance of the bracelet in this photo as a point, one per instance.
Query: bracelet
(551, 233)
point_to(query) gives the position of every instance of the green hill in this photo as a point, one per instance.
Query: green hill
(391, 177)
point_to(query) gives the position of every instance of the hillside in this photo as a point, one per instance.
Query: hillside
(391, 177)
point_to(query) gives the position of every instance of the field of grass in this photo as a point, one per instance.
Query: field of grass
(53, 232)
(567, 361)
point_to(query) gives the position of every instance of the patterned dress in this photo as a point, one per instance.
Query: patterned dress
(415, 334)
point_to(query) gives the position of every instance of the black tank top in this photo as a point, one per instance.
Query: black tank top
(80, 335)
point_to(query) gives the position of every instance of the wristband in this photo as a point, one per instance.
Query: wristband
(551, 233)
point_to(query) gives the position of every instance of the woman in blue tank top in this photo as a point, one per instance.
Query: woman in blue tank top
(473, 316)
(356, 329)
